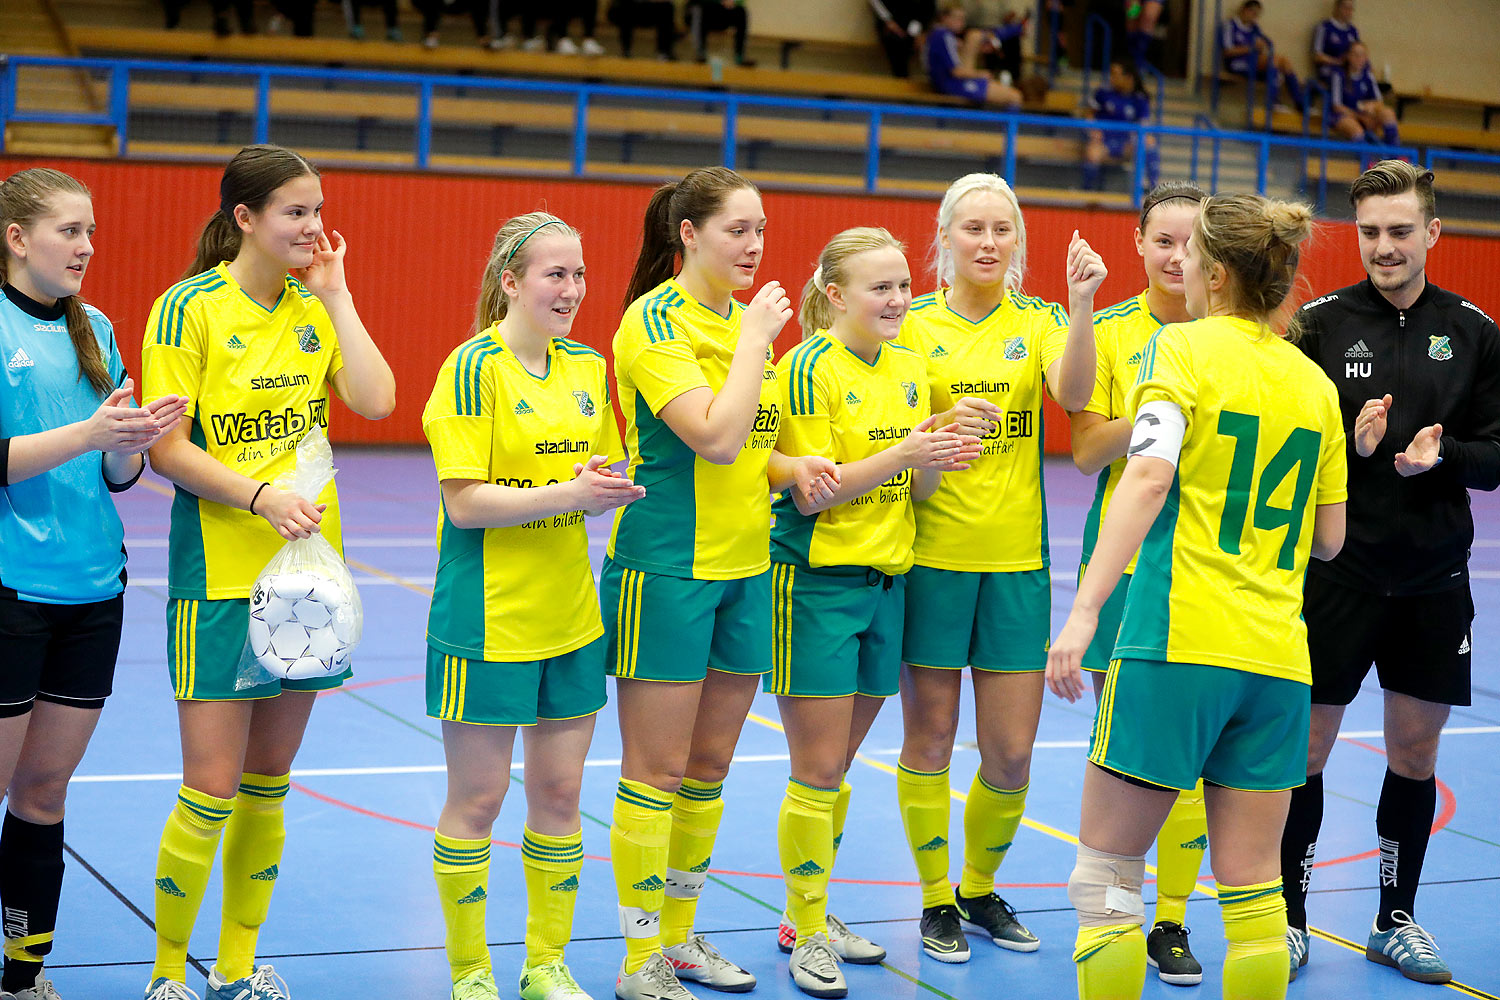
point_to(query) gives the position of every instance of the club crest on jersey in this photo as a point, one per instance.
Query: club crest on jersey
(911, 393)
(1438, 348)
(307, 339)
(585, 402)
(1015, 348)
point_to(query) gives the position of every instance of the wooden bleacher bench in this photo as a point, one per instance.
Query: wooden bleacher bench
(1486, 108)
(451, 60)
(149, 96)
(1471, 182)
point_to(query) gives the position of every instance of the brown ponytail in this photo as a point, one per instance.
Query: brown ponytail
(696, 197)
(1257, 241)
(24, 200)
(250, 179)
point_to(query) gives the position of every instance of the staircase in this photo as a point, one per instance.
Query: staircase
(31, 27)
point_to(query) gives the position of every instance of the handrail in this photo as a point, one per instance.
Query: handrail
(1106, 50)
(1204, 124)
(1161, 86)
(582, 95)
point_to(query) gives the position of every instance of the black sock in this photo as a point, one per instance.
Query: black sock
(1403, 822)
(31, 873)
(1299, 842)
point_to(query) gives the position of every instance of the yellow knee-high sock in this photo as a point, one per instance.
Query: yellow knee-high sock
(1111, 962)
(804, 836)
(461, 868)
(551, 866)
(922, 797)
(991, 818)
(697, 809)
(253, 840)
(638, 839)
(183, 862)
(1255, 926)
(1179, 854)
(841, 813)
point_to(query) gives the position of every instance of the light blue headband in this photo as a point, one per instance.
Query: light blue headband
(511, 256)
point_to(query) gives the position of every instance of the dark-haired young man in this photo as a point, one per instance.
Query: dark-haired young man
(1418, 374)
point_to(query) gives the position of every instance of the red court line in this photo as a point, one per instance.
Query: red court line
(1444, 816)
(361, 685)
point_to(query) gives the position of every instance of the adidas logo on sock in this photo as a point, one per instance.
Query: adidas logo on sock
(1463, 647)
(701, 866)
(1198, 843)
(20, 360)
(837, 841)
(936, 843)
(1000, 848)
(234, 343)
(569, 884)
(477, 896)
(269, 875)
(523, 408)
(169, 887)
(1359, 350)
(652, 884)
(808, 868)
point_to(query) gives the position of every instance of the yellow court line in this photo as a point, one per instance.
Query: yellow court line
(1063, 835)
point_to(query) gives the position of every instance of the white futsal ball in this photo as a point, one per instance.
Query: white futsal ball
(300, 625)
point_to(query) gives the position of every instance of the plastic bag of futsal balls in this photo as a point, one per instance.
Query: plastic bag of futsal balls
(305, 613)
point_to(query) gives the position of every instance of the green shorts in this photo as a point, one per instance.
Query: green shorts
(989, 621)
(204, 643)
(836, 632)
(1102, 650)
(1168, 724)
(520, 693)
(673, 628)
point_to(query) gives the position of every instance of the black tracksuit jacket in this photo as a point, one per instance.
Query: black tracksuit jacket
(1440, 362)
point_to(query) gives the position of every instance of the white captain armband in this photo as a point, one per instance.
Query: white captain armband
(1159, 430)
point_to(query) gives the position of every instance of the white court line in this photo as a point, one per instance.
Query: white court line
(752, 758)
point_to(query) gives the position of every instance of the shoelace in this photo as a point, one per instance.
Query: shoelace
(174, 991)
(658, 972)
(564, 979)
(820, 958)
(47, 990)
(837, 928)
(1296, 942)
(268, 984)
(709, 951)
(482, 985)
(1421, 944)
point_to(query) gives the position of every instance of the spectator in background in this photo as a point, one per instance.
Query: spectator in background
(704, 16)
(586, 11)
(900, 25)
(953, 61)
(485, 14)
(1140, 28)
(1000, 46)
(627, 15)
(243, 10)
(1355, 106)
(1331, 41)
(1246, 49)
(352, 10)
(1123, 100)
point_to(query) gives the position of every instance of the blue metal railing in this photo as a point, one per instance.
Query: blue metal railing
(1006, 126)
(1161, 86)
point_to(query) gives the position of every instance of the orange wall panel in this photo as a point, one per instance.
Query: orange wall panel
(418, 242)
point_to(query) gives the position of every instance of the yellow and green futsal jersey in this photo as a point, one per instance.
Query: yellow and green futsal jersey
(993, 518)
(842, 407)
(698, 520)
(524, 592)
(1120, 336)
(256, 381)
(1219, 579)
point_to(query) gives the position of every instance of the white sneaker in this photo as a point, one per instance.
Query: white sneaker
(697, 961)
(815, 968)
(167, 989)
(506, 41)
(566, 47)
(537, 44)
(42, 990)
(262, 984)
(592, 48)
(430, 41)
(849, 946)
(653, 981)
